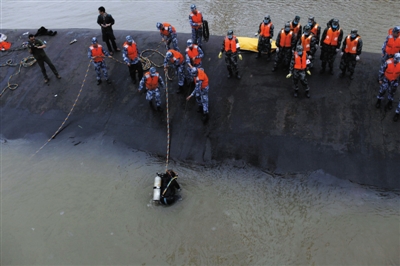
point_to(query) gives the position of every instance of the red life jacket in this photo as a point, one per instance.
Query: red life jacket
(331, 37)
(286, 39)
(392, 45)
(351, 45)
(201, 75)
(230, 45)
(305, 42)
(314, 30)
(197, 18)
(192, 53)
(265, 30)
(165, 27)
(97, 53)
(392, 71)
(295, 29)
(132, 51)
(151, 82)
(300, 62)
(176, 56)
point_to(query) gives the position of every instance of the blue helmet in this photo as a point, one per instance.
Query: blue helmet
(159, 25)
(152, 71)
(189, 43)
(353, 33)
(168, 55)
(267, 18)
(230, 34)
(129, 39)
(94, 40)
(335, 23)
(396, 29)
(193, 7)
(194, 71)
(396, 57)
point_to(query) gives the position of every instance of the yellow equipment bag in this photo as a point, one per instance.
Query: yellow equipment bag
(250, 44)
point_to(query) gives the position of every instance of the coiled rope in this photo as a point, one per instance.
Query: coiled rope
(65, 120)
(25, 62)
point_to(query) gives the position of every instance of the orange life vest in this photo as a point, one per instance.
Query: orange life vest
(230, 45)
(306, 42)
(392, 71)
(151, 82)
(132, 51)
(197, 18)
(295, 29)
(314, 30)
(201, 75)
(4, 46)
(351, 45)
(165, 27)
(97, 53)
(192, 53)
(286, 39)
(265, 30)
(300, 62)
(331, 37)
(176, 56)
(392, 45)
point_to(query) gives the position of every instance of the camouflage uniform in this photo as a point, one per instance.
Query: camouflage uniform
(155, 93)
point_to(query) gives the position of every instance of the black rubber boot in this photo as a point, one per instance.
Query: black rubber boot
(159, 109)
(200, 109)
(351, 76)
(342, 74)
(151, 105)
(179, 90)
(229, 73)
(331, 71)
(258, 55)
(378, 103)
(238, 76)
(389, 105)
(396, 117)
(308, 94)
(98, 81)
(205, 117)
(295, 94)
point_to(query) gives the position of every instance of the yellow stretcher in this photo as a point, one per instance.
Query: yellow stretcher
(250, 44)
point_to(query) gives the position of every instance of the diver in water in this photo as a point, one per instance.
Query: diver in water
(169, 186)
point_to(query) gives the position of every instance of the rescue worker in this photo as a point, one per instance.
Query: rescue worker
(169, 186)
(175, 58)
(200, 91)
(295, 26)
(168, 34)
(231, 47)
(309, 43)
(391, 44)
(153, 82)
(298, 68)
(315, 28)
(330, 45)
(130, 55)
(36, 48)
(194, 55)
(389, 79)
(285, 43)
(351, 50)
(97, 53)
(266, 32)
(106, 21)
(196, 22)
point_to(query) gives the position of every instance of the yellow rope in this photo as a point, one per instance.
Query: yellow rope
(65, 120)
(168, 131)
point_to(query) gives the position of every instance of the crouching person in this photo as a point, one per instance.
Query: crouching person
(200, 91)
(152, 81)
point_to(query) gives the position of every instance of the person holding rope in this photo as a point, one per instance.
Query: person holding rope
(200, 91)
(168, 34)
(152, 81)
(130, 55)
(169, 187)
(177, 60)
(36, 47)
(97, 53)
(196, 22)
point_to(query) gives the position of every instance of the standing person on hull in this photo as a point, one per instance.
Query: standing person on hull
(200, 91)
(196, 22)
(168, 35)
(285, 43)
(295, 26)
(309, 44)
(231, 47)
(106, 21)
(176, 59)
(36, 47)
(330, 45)
(97, 53)
(315, 28)
(153, 82)
(391, 44)
(266, 31)
(389, 79)
(351, 50)
(298, 68)
(130, 55)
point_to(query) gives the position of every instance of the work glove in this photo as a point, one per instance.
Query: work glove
(277, 49)
(220, 55)
(240, 57)
(341, 53)
(289, 75)
(310, 57)
(308, 72)
(337, 50)
(357, 58)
